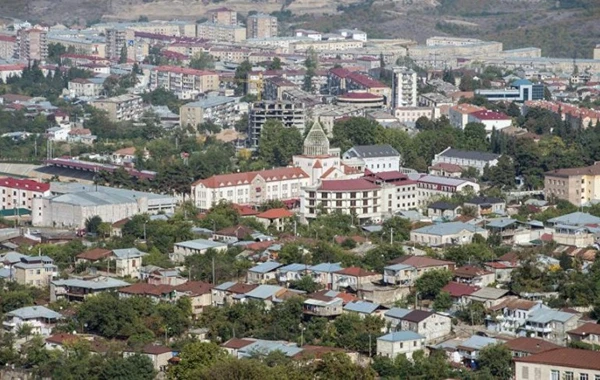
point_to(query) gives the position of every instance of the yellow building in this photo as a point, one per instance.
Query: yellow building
(576, 185)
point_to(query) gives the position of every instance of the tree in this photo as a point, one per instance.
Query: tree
(202, 61)
(307, 284)
(503, 174)
(123, 54)
(472, 253)
(354, 131)
(195, 358)
(442, 301)
(431, 282)
(241, 75)
(55, 51)
(104, 229)
(497, 360)
(275, 64)
(278, 144)
(339, 366)
(92, 224)
(134, 367)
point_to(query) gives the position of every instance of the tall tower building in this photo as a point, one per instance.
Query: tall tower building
(261, 26)
(404, 88)
(31, 45)
(224, 16)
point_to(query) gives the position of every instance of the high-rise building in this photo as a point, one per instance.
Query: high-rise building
(31, 45)
(223, 16)
(261, 26)
(291, 115)
(115, 40)
(220, 32)
(404, 88)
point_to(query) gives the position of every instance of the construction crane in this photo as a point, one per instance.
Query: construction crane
(258, 82)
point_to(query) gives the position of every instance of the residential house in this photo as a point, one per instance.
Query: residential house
(41, 319)
(159, 355)
(559, 364)
(469, 349)
(489, 297)
(524, 346)
(323, 273)
(128, 261)
(19, 193)
(199, 294)
(60, 340)
(159, 276)
(291, 272)
(233, 234)
(446, 170)
(487, 205)
(93, 256)
(275, 218)
(587, 333)
(375, 158)
(452, 233)
(364, 308)
(35, 271)
(192, 247)
(75, 289)
(551, 324)
(511, 315)
(459, 292)
(226, 292)
(400, 343)
(473, 276)
(268, 294)
(443, 210)
(263, 273)
(353, 277)
(156, 293)
(323, 304)
(432, 326)
(466, 159)
(502, 270)
(406, 270)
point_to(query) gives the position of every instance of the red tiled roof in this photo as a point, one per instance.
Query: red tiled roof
(24, 184)
(451, 168)
(94, 254)
(17, 67)
(275, 213)
(565, 357)
(195, 288)
(358, 184)
(530, 345)
(234, 179)
(360, 95)
(470, 271)
(184, 70)
(356, 271)
(245, 210)
(240, 288)
(457, 289)
(120, 223)
(421, 261)
(365, 80)
(238, 231)
(586, 329)
(142, 288)
(62, 338)
(489, 115)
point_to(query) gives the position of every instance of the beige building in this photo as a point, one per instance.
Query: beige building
(559, 364)
(7, 46)
(115, 40)
(222, 110)
(261, 26)
(184, 82)
(221, 33)
(35, 271)
(31, 45)
(576, 185)
(85, 87)
(19, 193)
(452, 233)
(122, 107)
(224, 16)
(597, 52)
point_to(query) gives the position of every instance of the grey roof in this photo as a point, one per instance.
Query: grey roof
(201, 244)
(485, 200)
(575, 219)
(95, 284)
(267, 267)
(6, 273)
(212, 101)
(536, 202)
(35, 265)
(369, 151)
(396, 267)
(12, 257)
(128, 253)
(470, 155)
(450, 228)
(94, 198)
(397, 312)
(401, 336)
(34, 312)
(266, 346)
(293, 268)
(446, 181)
(362, 307)
(225, 285)
(441, 205)
(478, 342)
(501, 222)
(263, 291)
(549, 315)
(489, 293)
(78, 188)
(412, 215)
(326, 267)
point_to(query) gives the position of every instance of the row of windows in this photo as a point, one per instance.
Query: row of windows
(365, 210)
(324, 195)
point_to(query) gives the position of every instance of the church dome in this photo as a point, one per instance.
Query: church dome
(316, 142)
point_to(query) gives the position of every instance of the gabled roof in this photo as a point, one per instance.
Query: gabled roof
(549, 315)
(470, 155)
(142, 288)
(586, 329)
(397, 312)
(372, 151)
(477, 342)
(421, 261)
(450, 228)
(34, 312)
(194, 288)
(128, 253)
(565, 357)
(326, 267)
(275, 213)
(200, 244)
(267, 267)
(470, 271)
(236, 179)
(490, 293)
(575, 219)
(356, 272)
(94, 254)
(401, 336)
(362, 307)
(417, 316)
(530, 345)
(458, 289)
(441, 205)
(264, 291)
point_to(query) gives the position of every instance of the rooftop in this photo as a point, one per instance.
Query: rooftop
(200, 244)
(565, 357)
(34, 312)
(265, 267)
(369, 151)
(450, 228)
(363, 307)
(347, 185)
(469, 155)
(401, 336)
(530, 345)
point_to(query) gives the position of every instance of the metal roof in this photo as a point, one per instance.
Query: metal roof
(34, 312)
(397, 267)
(397, 312)
(470, 155)
(450, 228)
(200, 244)
(266, 346)
(363, 307)
(269, 266)
(293, 268)
(326, 267)
(128, 253)
(369, 151)
(549, 315)
(264, 291)
(489, 293)
(478, 342)
(95, 284)
(225, 285)
(401, 336)
(575, 219)
(501, 223)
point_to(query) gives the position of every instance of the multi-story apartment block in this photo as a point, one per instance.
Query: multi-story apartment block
(184, 82)
(80, 42)
(404, 88)
(261, 26)
(459, 114)
(115, 40)
(35, 271)
(398, 191)
(122, 107)
(576, 185)
(292, 115)
(250, 188)
(18, 193)
(357, 197)
(577, 117)
(7, 46)
(85, 87)
(31, 45)
(466, 159)
(430, 186)
(221, 33)
(222, 110)
(412, 114)
(224, 16)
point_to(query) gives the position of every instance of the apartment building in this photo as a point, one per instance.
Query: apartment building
(18, 193)
(404, 88)
(292, 115)
(250, 188)
(412, 114)
(222, 110)
(184, 82)
(7, 46)
(224, 16)
(121, 108)
(576, 185)
(89, 87)
(31, 45)
(35, 271)
(115, 40)
(358, 197)
(490, 119)
(261, 26)
(430, 186)
(80, 42)
(398, 191)
(466, 159)
(459, 114)
(220, 32)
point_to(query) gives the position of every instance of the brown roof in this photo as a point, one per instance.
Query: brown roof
(120, 223)
(196, 288)
(155, 350)
(565, 357)
(94, 254)
(586, 329)
(587, 170)
(241, 288)
(530, 345)
(417, 316)
(237, 231)
(421, 261)
(516, 303)
(356, 271)
(236, 343)
(62, 338)
(470, 271)
(143, 288)
(275, 213)
(316, 352)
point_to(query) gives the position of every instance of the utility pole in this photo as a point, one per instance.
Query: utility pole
(391, 236)
(295, 228)
(370, 346)
(213, 271)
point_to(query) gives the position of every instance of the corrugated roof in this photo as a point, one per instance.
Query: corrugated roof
(369, 151)
(397, 312)
(470, 155)
(575, 219)
(265, 267)
(530, 345)
(201, 244)
(128, 253)
(34, 312)
(293, 268)
(363, 307)
(95, 284)
(478, 342)
(548, 315)
(326, 267)
(264, 291)
(450, 228)
(401, 336)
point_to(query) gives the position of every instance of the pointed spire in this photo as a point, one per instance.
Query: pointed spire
(316, 142)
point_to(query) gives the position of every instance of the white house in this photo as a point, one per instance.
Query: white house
(263, 273)
(447, 233)
(466, 159)
(191, 247)
(375, 158)
(400, 343)
(492, 120)
(128, 261)
(41, 319)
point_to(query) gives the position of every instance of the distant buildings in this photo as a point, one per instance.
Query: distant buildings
(31, 45)
(291, 115)
(519, 91)
(466, 159)
(185, 83)
(261, 26)
(221, 32)
(576, 185)
(375, 158)
(223, 16)
(491, 120)
(452, 233)
(121, 108)
(222, 110)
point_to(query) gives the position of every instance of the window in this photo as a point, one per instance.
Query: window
(583, 376)
(365, 210)
(568, 376)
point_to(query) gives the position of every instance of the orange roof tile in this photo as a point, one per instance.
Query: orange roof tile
(275, 213)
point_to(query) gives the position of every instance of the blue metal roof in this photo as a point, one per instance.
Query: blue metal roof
(399, 267)
(549, 315)
(397, 312)
(501, 223)
(401, 336)
(363, 307)
(293, 268)
(128, 253)
(267, 267)
(450, 228)
(263, 291)
(478, 342)
(521, 82)
(575, 219)
(266, 346)
(326, 267)
(34, 312)
(225, 285)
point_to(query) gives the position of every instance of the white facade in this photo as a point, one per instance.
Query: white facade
(466, 159)
(490, 123)
(404, 88)
(391, 346)
(412, 114)
(19, 193)
(375, 158)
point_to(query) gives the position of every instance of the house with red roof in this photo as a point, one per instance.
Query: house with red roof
(472, 275)
(19, 193)
(275, 218)
(459, 292)
(354, 277)
(491, 119)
